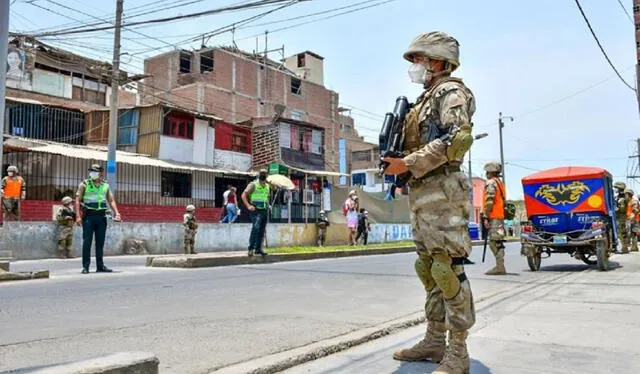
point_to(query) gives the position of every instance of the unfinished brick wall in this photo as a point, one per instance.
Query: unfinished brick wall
(265, 144)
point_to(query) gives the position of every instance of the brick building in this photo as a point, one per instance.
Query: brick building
(239, 86)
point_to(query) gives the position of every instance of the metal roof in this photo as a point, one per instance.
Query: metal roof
(100, 153)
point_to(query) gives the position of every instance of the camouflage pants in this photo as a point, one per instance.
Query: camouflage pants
(496, 238)
(189, 242)
(623, 233)
(65, 240)
(11, 208)
(322, 235)
(633, 229)
(439, 215)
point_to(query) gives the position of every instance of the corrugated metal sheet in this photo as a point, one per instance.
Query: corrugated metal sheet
(149, 130)
(37, 121)
(100, 153)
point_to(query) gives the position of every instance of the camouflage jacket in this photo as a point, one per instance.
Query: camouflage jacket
(189, 222)
(621, 206)
(63, 217)
(448, 104)
(323, 222)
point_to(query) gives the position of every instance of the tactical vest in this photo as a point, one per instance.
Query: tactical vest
(497, 211)
(13, 188)
(425, 111)
(95, 197)
(260, 196)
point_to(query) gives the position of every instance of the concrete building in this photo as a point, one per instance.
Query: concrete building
(238, 86)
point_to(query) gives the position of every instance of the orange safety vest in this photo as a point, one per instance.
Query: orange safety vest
(497, 212)
(630, 209)
(13, 188)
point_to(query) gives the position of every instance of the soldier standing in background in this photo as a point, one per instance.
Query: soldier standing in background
(493, 215)
(190, 229)
(621, 215)
(633, 209)
(437, 134)
(12, 192)
(323, 224)
(66, 218)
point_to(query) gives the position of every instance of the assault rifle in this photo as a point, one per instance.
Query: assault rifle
(391, 139)
(485, 234)
(65, 213)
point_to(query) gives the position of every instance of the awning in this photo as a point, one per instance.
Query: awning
(318, 172)
(100, 153)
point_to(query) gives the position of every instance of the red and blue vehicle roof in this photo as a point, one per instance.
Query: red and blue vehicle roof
(568, 198)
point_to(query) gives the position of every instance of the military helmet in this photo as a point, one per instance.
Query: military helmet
(12, 168)
(628, 191)
(66, 200)
(620, 185)
(191, 208)
(493, 167)
(322, 212)
(436, 45)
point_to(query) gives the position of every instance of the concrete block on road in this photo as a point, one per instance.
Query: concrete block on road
(240, 258)
(118, 363)
(6, 276)
(4, 265)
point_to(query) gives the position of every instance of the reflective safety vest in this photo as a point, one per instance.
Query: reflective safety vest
(13, 188)
(260, 196)
(497, 211)
(95, 197)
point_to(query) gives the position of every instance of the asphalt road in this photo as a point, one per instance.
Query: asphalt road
(196, 320)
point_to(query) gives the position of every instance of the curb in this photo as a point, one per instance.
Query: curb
(213, 260)
(11, 276)
(118, 363)
(284, 360)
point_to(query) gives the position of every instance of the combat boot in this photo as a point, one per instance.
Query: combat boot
(499, 269)
(456, 359)
(431, 348)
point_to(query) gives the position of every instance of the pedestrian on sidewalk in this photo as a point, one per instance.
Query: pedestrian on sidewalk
(66, 218)
(190, 229)
(363, 226)
(351, 207)
(493, 215)
(323, 224)
(256, 198)
(92, 201)
(439, 199)
(231, 206)
(12, 192)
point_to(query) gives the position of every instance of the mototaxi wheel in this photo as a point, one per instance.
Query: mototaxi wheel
(534, 261)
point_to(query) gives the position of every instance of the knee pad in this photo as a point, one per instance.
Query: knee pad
(444, 276)
(423, 269)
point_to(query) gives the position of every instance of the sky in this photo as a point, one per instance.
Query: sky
(533, 60)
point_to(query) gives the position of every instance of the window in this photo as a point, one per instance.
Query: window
(178, 126)
(128, 127)
(185, 62)
(206, 61)
(361, 156)
(239, 142)
(176, 184)
(296, 86)
(359, 178)
(316, 141)
(301, 60)
(285, 135)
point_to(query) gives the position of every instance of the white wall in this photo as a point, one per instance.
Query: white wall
(176, 149)
(232, 160)
(211, 142)
(200, 140)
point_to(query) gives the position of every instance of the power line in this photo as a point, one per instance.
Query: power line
(169, 19)
(626, 12)
(584, 16)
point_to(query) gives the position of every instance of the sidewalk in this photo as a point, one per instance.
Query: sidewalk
(584, 322)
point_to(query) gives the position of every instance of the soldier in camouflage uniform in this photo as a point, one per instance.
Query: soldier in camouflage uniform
(190, 229)
(66, 218)
(493, 215)
(12, 192)
(621, 215)
(437, 135)
(633, 209)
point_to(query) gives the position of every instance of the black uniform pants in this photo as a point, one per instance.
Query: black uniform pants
(93, 224)
(364, 233)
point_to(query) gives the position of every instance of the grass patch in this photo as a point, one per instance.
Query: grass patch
(334, 248)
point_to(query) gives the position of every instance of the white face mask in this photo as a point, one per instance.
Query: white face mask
(419, 73)
(10, 173)
(94, 175)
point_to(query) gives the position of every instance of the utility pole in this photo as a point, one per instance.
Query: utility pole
(4, 47)
(115, 92)
(636, 17)
(500, 126)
